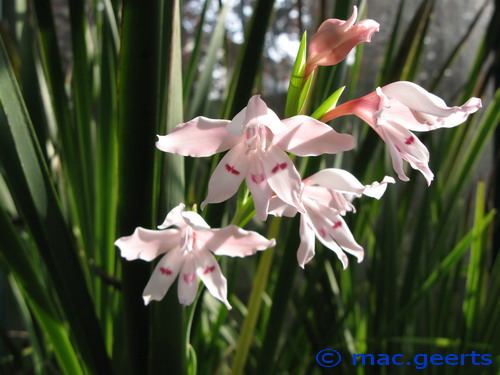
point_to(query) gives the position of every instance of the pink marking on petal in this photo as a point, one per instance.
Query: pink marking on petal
(188, 277)
(165, 271)
(278, 166)
(209, 269)
(397, 148)
(322, 232)
(309, 225)
(336, 225)
(410, 140)
(258, 178)
(232, 169)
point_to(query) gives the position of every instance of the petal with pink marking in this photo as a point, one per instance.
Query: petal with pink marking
(228, 175)
(187, 286)
(321, 229)
(199, 137)
(306, 249)
(282, 177)
(259, 188)
(233, 241)
(163, 276)
(209, 272)
(147, 244)
(309, 137)
(340, 232)
(410, 148)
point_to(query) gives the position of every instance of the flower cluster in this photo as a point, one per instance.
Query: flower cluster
(258, 142)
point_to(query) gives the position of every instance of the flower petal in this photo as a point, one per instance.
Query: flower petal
(163, 276)
(306, 249)
(404, 144)
(199, 137)
(147, 244)
(429, 111)
(335, 39)
(228, 175)
(282, 177)
(237, 125)
(187, 285)
(194, 220)
(344, 182)
(309, 137)
(340, 232)
(259, 188)
(209, 272)
(233, 241)
(377, 189)
(336, 179)
(258, 113)
(279, 208)
(174, 217)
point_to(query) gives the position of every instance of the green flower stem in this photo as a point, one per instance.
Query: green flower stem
(260, 283)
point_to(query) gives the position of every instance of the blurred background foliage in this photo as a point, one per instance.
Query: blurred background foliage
(85, 86)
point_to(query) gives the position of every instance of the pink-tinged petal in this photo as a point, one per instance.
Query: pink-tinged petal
(279, 208)
(282, 177)
(209, 272)
(237, 125)
(147, 244)
(163, 276)
(340, 232)
(309, 137)
(228, 175)
(377, 189)
(194, 220)
(321, 228)
(338, 180)
(344, 182)
(233, 241)
(199, 137)
(306, 249)
(335, 39)
(257, 113)
(187, 285)
(429, 111)
(259, 188)
(174, 217)
(403, 144)
(331, 198)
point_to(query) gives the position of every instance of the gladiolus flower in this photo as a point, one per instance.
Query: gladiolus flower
(257, 140)
(336, 38)
(327, 196)
(393, 110)
(188, 252)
